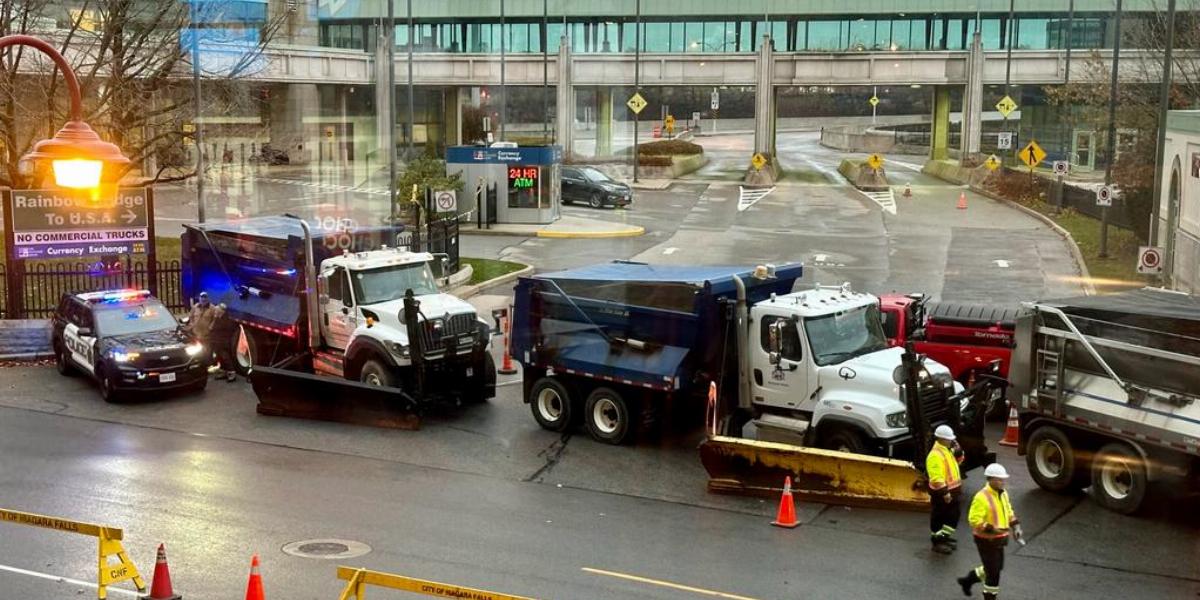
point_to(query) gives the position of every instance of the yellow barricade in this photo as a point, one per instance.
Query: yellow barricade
(359, 579)
(110, 545)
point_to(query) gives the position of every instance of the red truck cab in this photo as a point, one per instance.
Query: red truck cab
(966, 338)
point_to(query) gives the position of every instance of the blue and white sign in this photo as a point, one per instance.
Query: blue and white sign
(531, 155)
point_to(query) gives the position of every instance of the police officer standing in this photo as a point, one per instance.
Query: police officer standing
(945, 489)
(992, 520)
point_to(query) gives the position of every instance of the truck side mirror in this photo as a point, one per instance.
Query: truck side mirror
(773, 358)
(323, 299)
(775, 342)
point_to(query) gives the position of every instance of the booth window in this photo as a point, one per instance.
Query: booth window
(524, 186)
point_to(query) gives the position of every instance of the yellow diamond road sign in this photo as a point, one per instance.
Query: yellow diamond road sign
(875, 161)
(758, 161)
(1032, 154)
(874, 100)
(1006, 105)
(636, 103)
(992, 163)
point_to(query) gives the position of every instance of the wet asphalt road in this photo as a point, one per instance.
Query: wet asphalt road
(481, 496)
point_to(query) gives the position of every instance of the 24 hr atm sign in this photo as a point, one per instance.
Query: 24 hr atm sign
(58, 224)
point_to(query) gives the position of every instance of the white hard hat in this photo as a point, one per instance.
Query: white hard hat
(995, 470)
(944, 432)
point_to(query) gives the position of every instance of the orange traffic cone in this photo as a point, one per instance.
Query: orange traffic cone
(506, 364)
(1013, 429)
(908, 190)
(160, 586)
(786, 517)
(962, 201)
(254, 588)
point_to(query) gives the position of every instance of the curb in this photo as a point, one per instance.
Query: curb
(472, 290)
(634, 231)
(1088, 288)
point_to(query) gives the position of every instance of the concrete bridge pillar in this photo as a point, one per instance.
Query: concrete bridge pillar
(972, 108)
(385, 118)
(764, 99)
(604, 121)
(565, 100)
(939, 128)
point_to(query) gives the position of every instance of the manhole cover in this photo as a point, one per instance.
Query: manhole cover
(326, 549)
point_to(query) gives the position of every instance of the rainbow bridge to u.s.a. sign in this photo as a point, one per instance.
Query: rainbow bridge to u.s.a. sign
(61, 224)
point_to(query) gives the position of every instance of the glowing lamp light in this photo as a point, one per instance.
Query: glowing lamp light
(77, 173)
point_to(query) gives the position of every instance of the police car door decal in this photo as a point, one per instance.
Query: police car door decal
(81, 348)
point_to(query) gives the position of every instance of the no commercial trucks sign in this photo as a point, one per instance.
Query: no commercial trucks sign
(61, 224)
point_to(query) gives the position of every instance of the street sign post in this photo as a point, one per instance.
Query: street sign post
(1150, 259)
(1032, 155)
(669, 124)
(992, 163)
(1104, 196)
(875, 161)
(1006, 106)
(55, 223)
(636, 103)
(1061, 167)
(874, 101)
(1004, 140)
(446, 201)
(758, 160)
(715, 101)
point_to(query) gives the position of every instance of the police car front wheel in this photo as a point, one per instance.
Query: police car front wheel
(108, 389)
(62, 361)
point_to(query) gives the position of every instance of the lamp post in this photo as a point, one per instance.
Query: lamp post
(77, 155)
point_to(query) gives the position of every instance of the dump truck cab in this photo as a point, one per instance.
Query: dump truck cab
(823, 374)
(362, 301)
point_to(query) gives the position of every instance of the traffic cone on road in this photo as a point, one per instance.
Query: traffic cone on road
(160, 585)
(908, 190)
(786, 517)
(1013, 429)
(254, 588)
(506, 363)
(962, 201)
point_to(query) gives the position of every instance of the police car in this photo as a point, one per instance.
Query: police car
(126, 340)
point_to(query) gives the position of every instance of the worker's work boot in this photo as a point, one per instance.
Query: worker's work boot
(988, 596)
(966, 583)
(953, 542)
(941, 547)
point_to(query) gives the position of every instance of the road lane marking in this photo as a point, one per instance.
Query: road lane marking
(666, 584)
(748, 197)
(1003, 264)
(670, 251)
(886, 199)
(60, 579)
(821, 258)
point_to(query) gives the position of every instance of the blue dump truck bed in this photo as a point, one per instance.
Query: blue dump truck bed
(652, 326)
(256, 266)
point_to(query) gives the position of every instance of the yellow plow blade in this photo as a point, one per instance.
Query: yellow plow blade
(738, 466)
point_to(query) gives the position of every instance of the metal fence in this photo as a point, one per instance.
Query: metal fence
(34, 293)
(439, 237)
(1082, 200)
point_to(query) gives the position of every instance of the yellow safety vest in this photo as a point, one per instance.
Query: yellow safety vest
(991, 507)
(942, 468)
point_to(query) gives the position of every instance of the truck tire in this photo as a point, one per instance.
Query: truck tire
(608, 417)
(552, 405)
(377, 374)
(244, 350)
(1119, 478)
(843, 438)
(1053, 462)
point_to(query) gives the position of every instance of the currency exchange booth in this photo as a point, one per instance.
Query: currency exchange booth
(509, 184)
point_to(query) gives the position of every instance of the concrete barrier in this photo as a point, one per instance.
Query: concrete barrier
(863, 177)
(25, 339)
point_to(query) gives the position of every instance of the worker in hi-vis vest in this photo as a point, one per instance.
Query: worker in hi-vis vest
(992, 520)
(945, 489)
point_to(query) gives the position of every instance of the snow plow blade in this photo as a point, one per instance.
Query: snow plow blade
(752, 467)
(287, 393)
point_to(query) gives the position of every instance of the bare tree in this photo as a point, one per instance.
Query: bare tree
(132, 58)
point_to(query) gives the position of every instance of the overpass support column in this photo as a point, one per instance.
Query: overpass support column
(452, 117)
(939, 128)
(972, 106)
(604, 121)
(385, 119)
(764, 99)
(565, 100)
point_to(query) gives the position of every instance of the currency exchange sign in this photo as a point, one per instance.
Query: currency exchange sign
(55, 223)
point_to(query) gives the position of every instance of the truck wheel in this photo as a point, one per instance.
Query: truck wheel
(845, 439)
(377, 374)
(1053, 463)
(551, 404)
(608, 417)
(244, 351)
(1119, 478)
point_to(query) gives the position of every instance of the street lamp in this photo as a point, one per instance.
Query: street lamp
(76, 154)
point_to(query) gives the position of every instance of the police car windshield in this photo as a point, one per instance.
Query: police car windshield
(132, 317)
(390, 283)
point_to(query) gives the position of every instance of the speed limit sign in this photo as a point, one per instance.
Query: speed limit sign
(1150, 259)
(446, 200)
